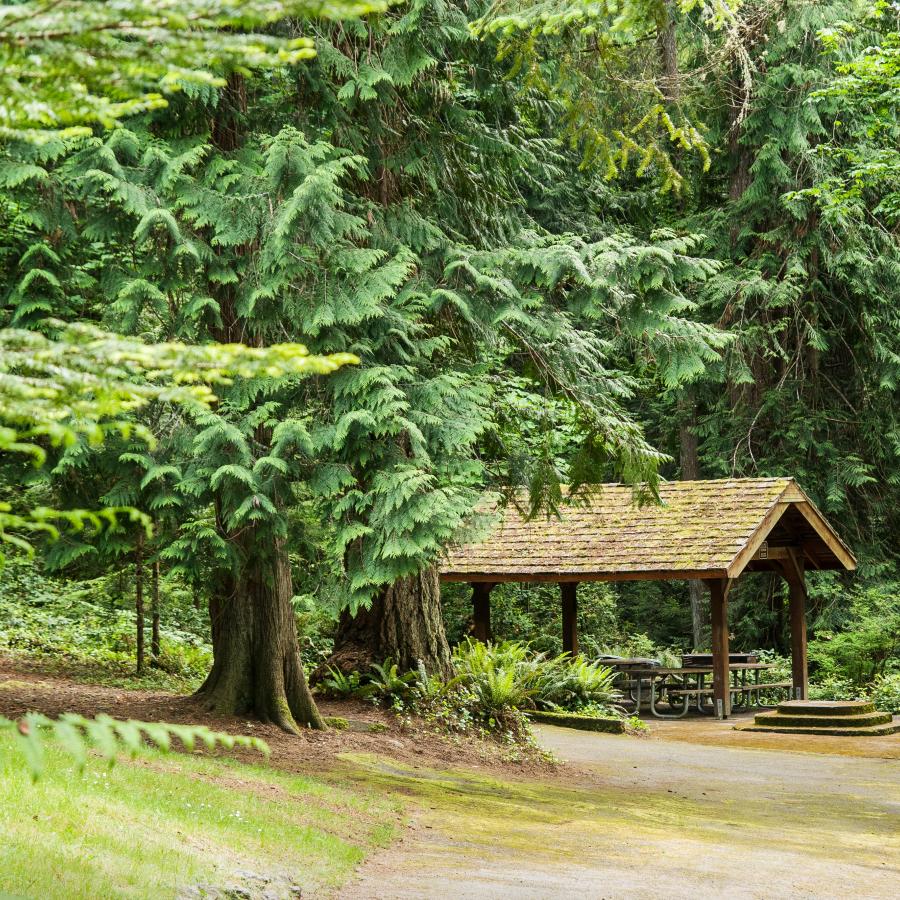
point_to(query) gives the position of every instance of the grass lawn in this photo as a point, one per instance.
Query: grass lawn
(160, 824)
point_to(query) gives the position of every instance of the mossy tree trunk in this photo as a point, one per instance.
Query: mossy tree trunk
(404, 623)
(257, 667)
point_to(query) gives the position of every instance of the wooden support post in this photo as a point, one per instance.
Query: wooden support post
(721, 674)
(795, 577)
(569, 591)
(481, 611)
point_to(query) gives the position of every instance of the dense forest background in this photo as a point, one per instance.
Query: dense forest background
(568, 243)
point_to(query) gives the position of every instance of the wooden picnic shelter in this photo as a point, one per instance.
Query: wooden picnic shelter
(711, 530)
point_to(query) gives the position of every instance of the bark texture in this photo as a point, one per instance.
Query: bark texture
(139, 600)
(690, 471)
(669, 82)
(154, 613)
(404, 623)
(257, 667)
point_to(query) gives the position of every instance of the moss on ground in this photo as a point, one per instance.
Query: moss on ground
(518, 816)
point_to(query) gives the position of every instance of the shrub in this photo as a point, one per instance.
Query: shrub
(494, 685)
(834, 688)
(574, 684)
(384, 682)
(316, 626)
(76, 627)
(867, 641)
(502, 675)
(885, 693)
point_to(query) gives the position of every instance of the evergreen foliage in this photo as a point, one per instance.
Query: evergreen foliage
(562, 240)
(67, 66)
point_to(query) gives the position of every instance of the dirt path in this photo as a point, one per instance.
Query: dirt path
(658, 818)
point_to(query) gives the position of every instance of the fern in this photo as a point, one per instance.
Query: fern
(108, 737)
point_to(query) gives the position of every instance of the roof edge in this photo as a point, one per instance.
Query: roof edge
(792, 495)
(636, 575)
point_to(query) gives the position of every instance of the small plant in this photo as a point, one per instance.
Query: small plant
(384, 681)
(636, 725)
(341, 685)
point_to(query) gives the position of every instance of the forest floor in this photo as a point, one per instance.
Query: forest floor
(694, 809)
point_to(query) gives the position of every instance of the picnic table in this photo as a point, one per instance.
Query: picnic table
(679, 687)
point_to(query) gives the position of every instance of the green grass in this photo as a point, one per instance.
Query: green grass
(158, 824)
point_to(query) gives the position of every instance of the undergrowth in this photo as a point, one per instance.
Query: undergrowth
(80, 630)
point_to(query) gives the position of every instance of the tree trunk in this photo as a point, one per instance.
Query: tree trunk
(670, 82)
(154, 613)
(670, 87)
(690, 471)
(404, 623)
(227, 127)
(256, 655)
(139, 599)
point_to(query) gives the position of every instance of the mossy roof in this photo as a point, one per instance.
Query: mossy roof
(700, 529)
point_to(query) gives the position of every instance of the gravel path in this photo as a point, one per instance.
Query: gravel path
(660, 818)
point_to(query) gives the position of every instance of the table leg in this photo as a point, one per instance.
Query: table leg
(685, 705)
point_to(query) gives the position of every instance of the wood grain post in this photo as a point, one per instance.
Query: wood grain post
(796, 579)
(569, 591)
(481, 611)
(721, 675)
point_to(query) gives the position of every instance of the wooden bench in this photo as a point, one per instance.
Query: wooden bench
(750, 694)
(763, 687)
(707, 692)
(694, 692)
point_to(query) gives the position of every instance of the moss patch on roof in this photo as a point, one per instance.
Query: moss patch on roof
(700, 526)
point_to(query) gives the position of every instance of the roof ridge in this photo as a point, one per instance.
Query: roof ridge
(761, 479)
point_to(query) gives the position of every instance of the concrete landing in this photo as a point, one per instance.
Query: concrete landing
(851, 718)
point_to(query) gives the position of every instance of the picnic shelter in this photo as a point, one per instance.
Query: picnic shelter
(713, 530)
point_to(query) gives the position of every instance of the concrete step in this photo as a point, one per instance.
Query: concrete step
(835, 731)
(826, 707)
(777, 717)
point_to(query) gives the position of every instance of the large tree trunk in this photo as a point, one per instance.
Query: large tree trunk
(257, 667)
(404, 623)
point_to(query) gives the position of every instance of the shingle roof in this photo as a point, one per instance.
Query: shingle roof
(700, 529)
